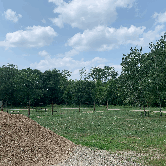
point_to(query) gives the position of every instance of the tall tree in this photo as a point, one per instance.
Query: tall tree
(143, 75)
(53, 86)
(158, 69)
(100, 76)
(69, 92)
(8, 77)
(131, 77)
(28, 86)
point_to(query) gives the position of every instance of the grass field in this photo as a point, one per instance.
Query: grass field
(114, 130)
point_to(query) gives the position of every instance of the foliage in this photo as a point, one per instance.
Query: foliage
(141, 82)
(8, 78)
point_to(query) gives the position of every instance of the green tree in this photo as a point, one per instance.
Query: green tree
(52, 88)
(28, 86)
(69, 92)
(132, 77)
(143, 75)
(100, 77)
(157, 72)
(8, 77)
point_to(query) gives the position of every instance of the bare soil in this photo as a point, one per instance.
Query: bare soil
(24, 142)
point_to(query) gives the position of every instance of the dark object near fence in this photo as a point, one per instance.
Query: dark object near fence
(53, 108)
(145, 113)
(29, 109)
(40, 109)
(1, 105)
(14, 112)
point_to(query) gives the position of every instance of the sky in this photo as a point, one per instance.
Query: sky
(70, 35)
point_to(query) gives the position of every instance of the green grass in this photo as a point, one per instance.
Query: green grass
(114, 130)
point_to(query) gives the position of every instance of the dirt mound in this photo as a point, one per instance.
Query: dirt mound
(24, 142)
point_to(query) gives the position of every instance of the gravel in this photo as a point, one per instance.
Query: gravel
(82, 156)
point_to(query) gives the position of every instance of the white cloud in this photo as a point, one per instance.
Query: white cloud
(66, 62)
(44, 21)
(35, 36)
(43, 53)
(97, 12)
(72, 65)
(56, 2)
(70, 53)
(159, 17)
(76, 73)
(150, 36)
(103, 38)
(118, 68)
(11, 15)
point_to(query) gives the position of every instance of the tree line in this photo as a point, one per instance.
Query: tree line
(141, 82)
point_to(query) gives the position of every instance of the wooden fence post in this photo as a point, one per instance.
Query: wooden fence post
(107, 105)
(2, 106)
(79, 107)
(6, 107)
(52, 107)
(144, 111)
(160, 110)
(29, 109)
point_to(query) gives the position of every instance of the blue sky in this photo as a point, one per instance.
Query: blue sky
(62, 34)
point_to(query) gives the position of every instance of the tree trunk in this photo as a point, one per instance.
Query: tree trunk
(6, 107)
(160, 109)
(29, 109)
(52, 108)
(94, 105)
(79, 107)
(107, 105)
(2, 106)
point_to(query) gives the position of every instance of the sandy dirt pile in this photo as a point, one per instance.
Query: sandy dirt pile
(24, 142)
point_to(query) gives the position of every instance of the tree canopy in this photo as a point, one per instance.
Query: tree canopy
(141, 82)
